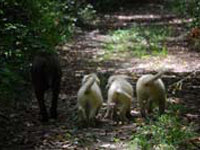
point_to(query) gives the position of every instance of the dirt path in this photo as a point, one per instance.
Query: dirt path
(84, 55)
(88, 47)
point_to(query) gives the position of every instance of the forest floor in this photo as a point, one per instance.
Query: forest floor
(84, 55)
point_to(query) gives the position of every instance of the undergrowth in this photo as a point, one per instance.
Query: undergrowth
(168, 132)
(138, 42)
(28, 28)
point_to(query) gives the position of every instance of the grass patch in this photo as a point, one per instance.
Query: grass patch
(138, 42)
(168, 132)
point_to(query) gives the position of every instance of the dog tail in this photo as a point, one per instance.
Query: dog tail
(156, 77)
(89, 81)
(119, 91)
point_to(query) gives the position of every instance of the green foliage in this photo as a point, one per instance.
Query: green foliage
(189, 8)
(77, 12)
(168, 133)
(105, 5)
(28, 27)
(10, 88)
(138, 41)
(87, 15)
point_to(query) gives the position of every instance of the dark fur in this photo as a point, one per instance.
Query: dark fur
(46, 74)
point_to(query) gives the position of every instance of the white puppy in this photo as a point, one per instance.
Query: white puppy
(150, 89)
(89, 98)
(120, 96)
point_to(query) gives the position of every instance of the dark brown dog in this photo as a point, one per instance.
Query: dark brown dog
(46, 74)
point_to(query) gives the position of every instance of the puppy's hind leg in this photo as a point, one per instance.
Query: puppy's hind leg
(150, 106)
(56, 90)
(162, 105)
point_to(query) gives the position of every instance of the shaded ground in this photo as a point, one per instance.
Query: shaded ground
(83, 56)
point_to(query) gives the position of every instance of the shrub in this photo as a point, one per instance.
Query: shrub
(28, 27)
(167, 133)
(190, 8)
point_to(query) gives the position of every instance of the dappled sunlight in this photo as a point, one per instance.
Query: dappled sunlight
(136, 17)
(180, 21)
(131, 41)
(123, 20)
(90, 53)
(170, 62)
(153, 17)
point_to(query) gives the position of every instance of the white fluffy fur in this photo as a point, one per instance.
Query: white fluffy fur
(89, 98)
(150, 89)
(120, 94)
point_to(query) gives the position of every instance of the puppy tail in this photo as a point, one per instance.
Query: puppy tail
(119, 91)
(90, 81)
(156, 77)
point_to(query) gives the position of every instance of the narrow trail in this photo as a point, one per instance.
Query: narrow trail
(89, 44)
(88, 49)
(84, 55)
